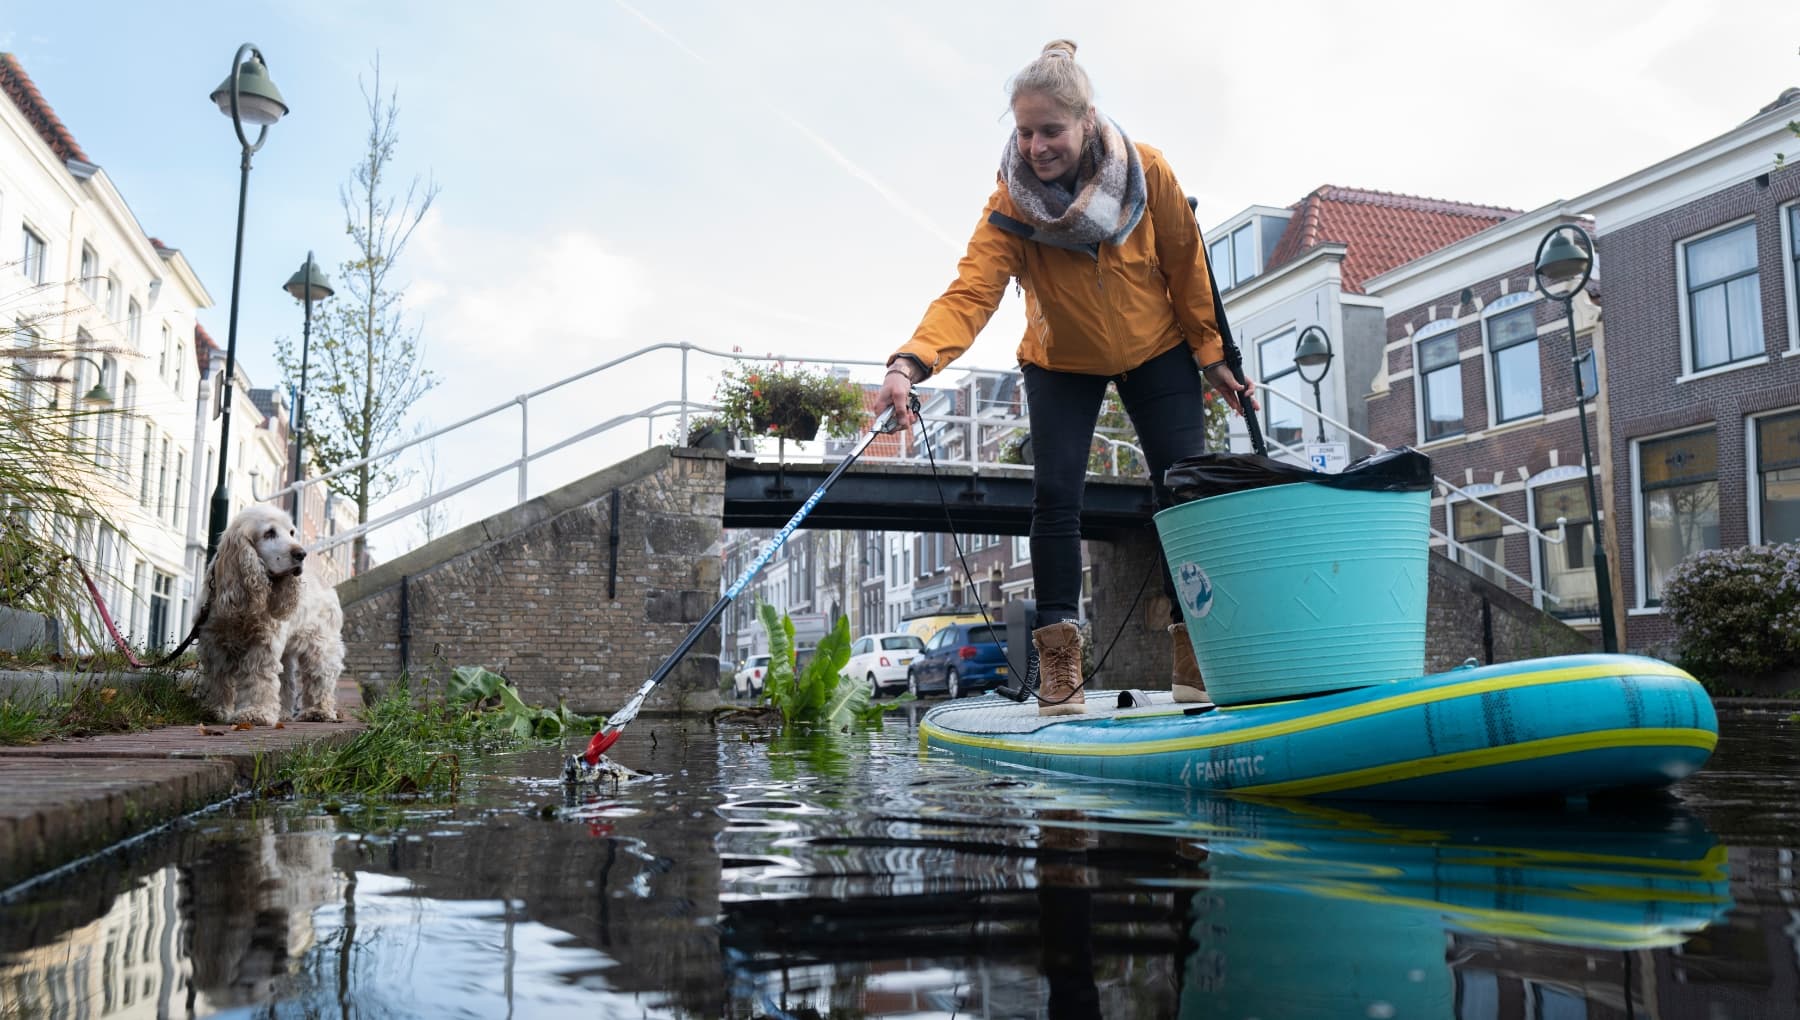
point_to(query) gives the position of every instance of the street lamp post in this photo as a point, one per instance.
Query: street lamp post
(1565, 263)
(247, 94)
(308, 284)
(1313, 350)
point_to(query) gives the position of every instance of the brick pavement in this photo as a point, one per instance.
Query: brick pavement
(63, 800)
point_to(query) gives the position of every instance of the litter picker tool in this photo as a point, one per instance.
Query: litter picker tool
(581, 766)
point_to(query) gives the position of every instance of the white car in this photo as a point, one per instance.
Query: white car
(748, 682)
(880, 660)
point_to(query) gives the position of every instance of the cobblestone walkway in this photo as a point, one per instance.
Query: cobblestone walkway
(61, 801)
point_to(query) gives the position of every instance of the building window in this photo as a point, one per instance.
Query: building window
(162, 480)
(1021, 549)
(106, 437)
(31, 260)
(127, 408)
(180, 360)
(1233, 259)
(1567, 570)
(1724, 304)
(140, 596)
(162, 594)
(180, 489)
(113, 293)
(90, 273)
(134, 323)
(1794, 267)
(144, 477)
(1513, 346)
(1679, 483)
(162, 358)
(1440, 387)
(1282, 417)
(1480, 544)
(1778, 478)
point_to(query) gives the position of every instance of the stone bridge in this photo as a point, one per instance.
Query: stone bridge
(581, 593)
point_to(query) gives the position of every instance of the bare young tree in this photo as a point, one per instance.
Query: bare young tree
(434, 520)
(366, 371)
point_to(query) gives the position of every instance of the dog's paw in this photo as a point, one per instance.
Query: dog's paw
(317, 715)
(246, 716)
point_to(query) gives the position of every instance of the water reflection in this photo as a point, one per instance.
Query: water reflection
(1125, 902)
(759, 877)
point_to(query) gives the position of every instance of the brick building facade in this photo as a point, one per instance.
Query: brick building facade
(1478, 376)
(1701, 256)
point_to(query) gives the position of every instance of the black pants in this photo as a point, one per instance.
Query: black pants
(1165, 399)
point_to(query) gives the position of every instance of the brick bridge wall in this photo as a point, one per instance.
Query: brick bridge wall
(525, 592)
(1466, 617)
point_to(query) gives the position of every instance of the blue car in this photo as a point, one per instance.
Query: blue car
(963, 658)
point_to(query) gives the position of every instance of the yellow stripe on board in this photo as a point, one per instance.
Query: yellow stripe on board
(1349, 713)
(1460, 761)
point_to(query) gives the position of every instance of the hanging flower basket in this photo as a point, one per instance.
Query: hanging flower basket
(778, 402)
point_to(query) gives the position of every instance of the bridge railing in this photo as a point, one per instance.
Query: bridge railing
(977, 438)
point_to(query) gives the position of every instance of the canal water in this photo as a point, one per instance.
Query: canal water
(751, 875)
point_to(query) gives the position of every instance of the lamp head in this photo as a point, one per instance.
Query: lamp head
(97, 397)
(309, 282)
(259, 101)
(1562, 263)
(1314, 348)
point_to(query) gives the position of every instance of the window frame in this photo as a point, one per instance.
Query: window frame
(1491, 359)
(1290, 334)
(1790, 267)
(27, 236)
(1555, 476)
(1684, 296)
(1486, 494)
(89, 271)
(1753, 470)
(1422, 412)
(1639, 538)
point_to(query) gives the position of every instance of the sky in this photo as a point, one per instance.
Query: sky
(799, 178)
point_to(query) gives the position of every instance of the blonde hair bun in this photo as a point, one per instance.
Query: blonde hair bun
(1060, 47)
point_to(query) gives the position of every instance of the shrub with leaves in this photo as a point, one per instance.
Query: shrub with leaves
(819, 694)
(496, 705)
(1736, 610)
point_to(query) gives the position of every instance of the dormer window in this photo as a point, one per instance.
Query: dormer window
(1239, 254)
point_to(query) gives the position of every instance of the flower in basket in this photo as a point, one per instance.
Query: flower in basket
(773, 400)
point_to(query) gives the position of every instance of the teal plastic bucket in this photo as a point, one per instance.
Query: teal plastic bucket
(1300, 588)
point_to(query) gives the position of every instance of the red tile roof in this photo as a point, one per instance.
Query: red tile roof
(203, 347)
(18, 87)
(1381, 229)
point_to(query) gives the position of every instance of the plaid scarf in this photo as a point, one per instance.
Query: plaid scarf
(1106, 204)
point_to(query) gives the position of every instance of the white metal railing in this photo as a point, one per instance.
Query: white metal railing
(1457, 549)
(978, 432)
(681, 409)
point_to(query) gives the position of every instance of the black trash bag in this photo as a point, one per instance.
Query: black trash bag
(1215, 474)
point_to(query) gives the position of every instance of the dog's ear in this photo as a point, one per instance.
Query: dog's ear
(242, 580)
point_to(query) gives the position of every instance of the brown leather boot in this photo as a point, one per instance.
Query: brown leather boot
(1185, 681)
(1059, 669)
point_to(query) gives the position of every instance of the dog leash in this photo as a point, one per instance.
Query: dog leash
(131, 659)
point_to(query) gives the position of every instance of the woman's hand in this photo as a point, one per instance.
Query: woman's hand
(896, 387)
(1236, 394)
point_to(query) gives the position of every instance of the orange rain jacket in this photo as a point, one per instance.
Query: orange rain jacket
(1094, 314)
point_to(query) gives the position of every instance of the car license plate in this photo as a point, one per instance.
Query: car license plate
(1000, 670)
(906, 660)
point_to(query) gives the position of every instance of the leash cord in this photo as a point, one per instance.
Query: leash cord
(1027, 684)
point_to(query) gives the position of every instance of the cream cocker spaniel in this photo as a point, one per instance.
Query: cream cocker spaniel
(271, 645)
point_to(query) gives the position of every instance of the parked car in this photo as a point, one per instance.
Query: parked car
(963, 658)
(880, 660)
(748, 682)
